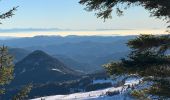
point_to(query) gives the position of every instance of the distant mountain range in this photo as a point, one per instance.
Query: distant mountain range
(13, 30)
(83, 53)
(29, 30)
(58, 40)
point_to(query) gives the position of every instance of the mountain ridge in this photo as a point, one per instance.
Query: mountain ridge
(39, 67)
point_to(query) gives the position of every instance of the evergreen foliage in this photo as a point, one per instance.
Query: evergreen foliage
(6, 60)
(146, 61)
(23, 94)
(6, 68)
(8, 14)
(148, 57)
(104, 8)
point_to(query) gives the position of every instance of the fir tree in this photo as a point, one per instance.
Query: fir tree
(6, 60)
(6, 74)
(104, 8)
(146, 60)
(23, 94)
(8, 14)
(6, 68)
(148, 56)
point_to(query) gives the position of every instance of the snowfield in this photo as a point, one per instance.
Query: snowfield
(118, 93)
(93, 95)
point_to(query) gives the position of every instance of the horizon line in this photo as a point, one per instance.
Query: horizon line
(18, 30)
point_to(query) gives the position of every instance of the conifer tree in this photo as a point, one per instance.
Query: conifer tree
(6, 68)
(148, 57)
(8, 14)
(6, 60)
(104, 8)
(23, 93)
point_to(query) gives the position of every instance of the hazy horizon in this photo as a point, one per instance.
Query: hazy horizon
(117, 32)
(51, 18)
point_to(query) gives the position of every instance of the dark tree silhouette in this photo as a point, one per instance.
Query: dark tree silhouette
(6, 68)
(8, 14)
(148, 57)
(23, 94)
(104, 8)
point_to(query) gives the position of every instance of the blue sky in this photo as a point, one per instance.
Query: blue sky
(68, 14)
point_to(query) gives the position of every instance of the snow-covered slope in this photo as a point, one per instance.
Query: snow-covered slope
(113, 93)
(99, 95)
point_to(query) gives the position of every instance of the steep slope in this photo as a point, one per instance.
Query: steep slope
(39, 67)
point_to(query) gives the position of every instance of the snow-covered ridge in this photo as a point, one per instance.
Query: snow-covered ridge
(116, 93)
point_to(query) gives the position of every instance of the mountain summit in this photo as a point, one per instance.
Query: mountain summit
(39, 67)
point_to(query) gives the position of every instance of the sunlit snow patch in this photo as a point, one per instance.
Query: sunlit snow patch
(132, 81)
(58, 70)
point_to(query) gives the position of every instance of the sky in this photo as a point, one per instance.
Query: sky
(69, 14)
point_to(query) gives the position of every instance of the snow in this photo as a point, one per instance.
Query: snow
(58, 70)
(54, 69)
(132, 81)
(93, 95)
(128, 81)
(98, 94)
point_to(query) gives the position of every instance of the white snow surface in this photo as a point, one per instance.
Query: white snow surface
(96, 95)
(132, 81)
(55, 69)
(93, 95)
